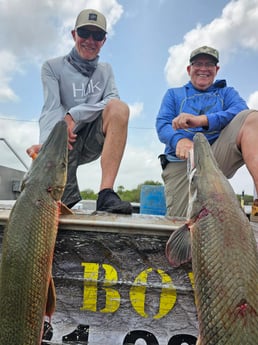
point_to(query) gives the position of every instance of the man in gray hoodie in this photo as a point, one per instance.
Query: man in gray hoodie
(82, 91)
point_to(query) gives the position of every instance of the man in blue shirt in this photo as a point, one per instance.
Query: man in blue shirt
(208, 106)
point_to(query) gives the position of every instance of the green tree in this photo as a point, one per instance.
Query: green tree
(134, 194)
(120, 189)
(88, 194)
(149, 182)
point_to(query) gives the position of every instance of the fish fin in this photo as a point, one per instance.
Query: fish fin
(51, 299)
(65, 210)
(178, 247)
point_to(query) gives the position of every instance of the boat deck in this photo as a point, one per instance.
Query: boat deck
(88, 220)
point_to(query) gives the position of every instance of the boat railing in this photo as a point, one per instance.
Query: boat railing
(14, 152)
(11, 179)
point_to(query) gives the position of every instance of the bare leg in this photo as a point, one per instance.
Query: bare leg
(115, 122)
(247, 142)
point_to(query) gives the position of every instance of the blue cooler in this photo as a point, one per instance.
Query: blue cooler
(152, 200)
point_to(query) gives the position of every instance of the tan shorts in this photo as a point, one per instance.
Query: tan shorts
(225, 150)
(227, 154)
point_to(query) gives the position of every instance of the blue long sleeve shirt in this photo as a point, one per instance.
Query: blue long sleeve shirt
(219, 103)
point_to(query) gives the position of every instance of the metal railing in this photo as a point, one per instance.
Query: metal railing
(14, 152)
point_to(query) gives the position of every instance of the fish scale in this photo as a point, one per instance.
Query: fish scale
(224, 255)
(217, 278)
(28, 244)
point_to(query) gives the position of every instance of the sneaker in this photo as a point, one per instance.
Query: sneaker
(109, 201)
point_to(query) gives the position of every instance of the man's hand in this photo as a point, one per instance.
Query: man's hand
(183, 147)
(185, 120)
(33, 150)
(70, 127)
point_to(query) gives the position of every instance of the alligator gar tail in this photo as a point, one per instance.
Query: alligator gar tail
(28, 244)
(224, 255)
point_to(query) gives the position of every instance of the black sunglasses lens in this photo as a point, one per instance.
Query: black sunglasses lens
(83, 33)
(96, 35)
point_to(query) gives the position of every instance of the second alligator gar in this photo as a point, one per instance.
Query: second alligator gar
(220, 240)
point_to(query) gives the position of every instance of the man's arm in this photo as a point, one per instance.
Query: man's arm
(232, 105)
(168, 111)
(52, 110)
(185, 120)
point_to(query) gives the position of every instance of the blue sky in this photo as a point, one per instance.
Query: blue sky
(148, 45)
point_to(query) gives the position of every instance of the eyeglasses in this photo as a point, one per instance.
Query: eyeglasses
(96, 35)
(203, 64)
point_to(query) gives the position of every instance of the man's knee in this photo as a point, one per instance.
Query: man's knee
(115, 112)
(249, 125)
(252, 116)
(117, 107)
(249, 116)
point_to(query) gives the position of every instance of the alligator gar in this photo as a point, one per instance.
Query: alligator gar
(220, 241)
(28, 244)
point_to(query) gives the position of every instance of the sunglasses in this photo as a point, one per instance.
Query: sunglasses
(198, 64)
(96, 35)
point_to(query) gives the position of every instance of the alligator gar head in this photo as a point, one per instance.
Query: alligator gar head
(207, 183)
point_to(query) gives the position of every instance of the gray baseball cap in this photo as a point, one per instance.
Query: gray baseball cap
(91, 17)
(205, 50)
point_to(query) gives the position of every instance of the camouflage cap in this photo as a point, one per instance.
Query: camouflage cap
(205, 50)
(91, 17)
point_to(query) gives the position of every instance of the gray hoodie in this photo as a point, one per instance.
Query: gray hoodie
(68, 91)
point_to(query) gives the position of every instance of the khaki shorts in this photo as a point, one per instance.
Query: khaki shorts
(227, 154)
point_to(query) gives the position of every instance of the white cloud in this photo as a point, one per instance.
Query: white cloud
(19, 135)
(135, 109)
(242, 181)
(138, 165)
(110, 8)
(9, 65)
(33, 31)
(43, 26)
(253, 100)
(6, 93)
(236, 28)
